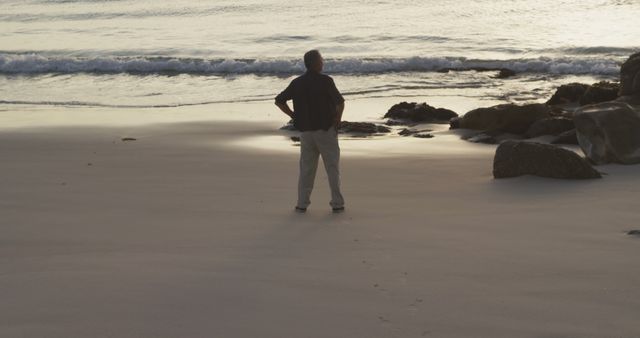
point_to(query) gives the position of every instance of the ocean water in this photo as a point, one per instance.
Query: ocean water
(128, 54)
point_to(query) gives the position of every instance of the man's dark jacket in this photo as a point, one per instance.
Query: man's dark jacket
(315, 98)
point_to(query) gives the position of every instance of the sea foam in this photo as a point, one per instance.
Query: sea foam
(34, 63)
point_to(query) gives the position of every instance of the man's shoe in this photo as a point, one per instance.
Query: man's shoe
(338, 210)
(301, 210)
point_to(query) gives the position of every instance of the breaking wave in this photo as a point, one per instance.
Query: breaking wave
(35, 63)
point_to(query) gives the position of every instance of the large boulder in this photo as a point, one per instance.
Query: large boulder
(630, 76)
(550, 126)
(609, 132)
(568, 137)
(517, 158)
(584, 94)
(600, 92)
(411, 112)
(505, 118)
(568, 93)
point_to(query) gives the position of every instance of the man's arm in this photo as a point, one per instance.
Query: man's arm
(282, 98)
(339, 110)
(337, 98)
(285, 108)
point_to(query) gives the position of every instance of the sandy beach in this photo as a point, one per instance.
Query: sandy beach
(187, 232)
(148, 181)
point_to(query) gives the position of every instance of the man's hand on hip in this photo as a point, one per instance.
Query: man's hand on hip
(336, 124)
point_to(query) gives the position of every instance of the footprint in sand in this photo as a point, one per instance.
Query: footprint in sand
(416, 302)
(404, 278)
(384, 320)
(377, 286)
(367, 264)
(415, 306)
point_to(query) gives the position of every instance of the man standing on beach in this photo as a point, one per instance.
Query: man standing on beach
(317, 111)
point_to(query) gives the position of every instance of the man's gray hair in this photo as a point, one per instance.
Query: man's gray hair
(311, 57)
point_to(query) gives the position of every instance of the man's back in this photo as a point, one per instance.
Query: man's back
(315, 98)
(317, 113)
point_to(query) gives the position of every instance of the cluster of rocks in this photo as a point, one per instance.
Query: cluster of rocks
(559, 115)
(424, 133)
(516, 122)
(402, 114)
(412, 113)
(355, 128)
(605, 123)
(583, 94)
